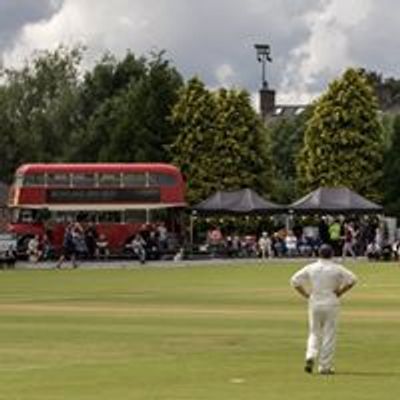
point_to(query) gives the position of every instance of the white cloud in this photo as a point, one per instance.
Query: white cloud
(327, 51)
(312, 41)
(225, 75)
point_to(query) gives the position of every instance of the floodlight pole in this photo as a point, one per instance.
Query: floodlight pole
(263, 56)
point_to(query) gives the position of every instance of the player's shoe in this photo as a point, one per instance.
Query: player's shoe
(309, 366)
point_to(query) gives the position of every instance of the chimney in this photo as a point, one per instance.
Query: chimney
(267, 102)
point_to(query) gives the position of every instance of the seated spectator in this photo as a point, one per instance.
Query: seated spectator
(48, 249)
(305, 246)
(215, 240)
(138, 246)
(396, 249)
(373, 251)
(102, 250)
(179, 256)
(33, 250)
(278, 245)
(153, 249)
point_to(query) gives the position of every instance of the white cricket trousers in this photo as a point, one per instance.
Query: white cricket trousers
(322, 334)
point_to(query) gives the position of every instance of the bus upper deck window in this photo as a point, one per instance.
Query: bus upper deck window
(134, 179)
(113, 180)
(161, 179)
(83, 180)
(33, 179)
(60, 179)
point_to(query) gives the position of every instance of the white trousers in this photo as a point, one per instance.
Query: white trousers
(322, 334)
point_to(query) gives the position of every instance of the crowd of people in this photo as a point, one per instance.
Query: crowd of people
(84, 242)
(348, 238)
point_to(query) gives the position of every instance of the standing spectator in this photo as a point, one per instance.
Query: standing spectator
(291, 244)
(327, 282)
(265, 246)
(323, 230)
(348, 240)
(335, 236)
(162, 237)
(91, 237)
(69, 250)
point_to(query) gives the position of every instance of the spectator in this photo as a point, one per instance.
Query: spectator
(33, 251)
(348, 240)
(138, 246)
(373, 251)
(48, 249)
(162, 237)
(91, 237)
(291, 244)
(215, 240)
(102, 250)
(334, 236)
(69, 250)
(265, 246)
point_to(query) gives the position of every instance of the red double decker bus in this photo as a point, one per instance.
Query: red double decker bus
(120, 198)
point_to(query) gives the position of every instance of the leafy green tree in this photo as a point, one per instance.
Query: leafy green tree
(193, 117)
(38, 104)
(391, 171)
(286, 138)
(125, 106)
(343, 141)
(221, 141)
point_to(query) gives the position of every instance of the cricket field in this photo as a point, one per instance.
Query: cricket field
(196, 332)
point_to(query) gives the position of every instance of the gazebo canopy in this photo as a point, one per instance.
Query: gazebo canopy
(242, 201)
(335, 201)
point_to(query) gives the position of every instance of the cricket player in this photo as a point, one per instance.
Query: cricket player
(322, 283)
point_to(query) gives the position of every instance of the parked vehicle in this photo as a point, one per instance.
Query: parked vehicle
(8, 250)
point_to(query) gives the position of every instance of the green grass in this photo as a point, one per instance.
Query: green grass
(201, 332)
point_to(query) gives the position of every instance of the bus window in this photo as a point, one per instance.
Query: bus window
(58, 179)
(135, 216)
(109, 216)
(110, 180)
(83, 180)
(162, 180)
(138, 179)
(26, 216)
(33, 180)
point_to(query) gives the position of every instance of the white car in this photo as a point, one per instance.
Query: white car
(8, 249)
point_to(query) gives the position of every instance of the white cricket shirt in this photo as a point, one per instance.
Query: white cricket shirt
(323, 277)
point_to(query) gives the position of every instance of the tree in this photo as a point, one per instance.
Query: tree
(387, 90)
(220, 143)
(286, 137)
(343, 142)
(124, 109)
(391, 172)
(38, 104)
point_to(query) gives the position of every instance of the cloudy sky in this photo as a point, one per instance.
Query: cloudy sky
(312, 40)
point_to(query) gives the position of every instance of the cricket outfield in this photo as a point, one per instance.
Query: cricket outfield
(209, 332)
